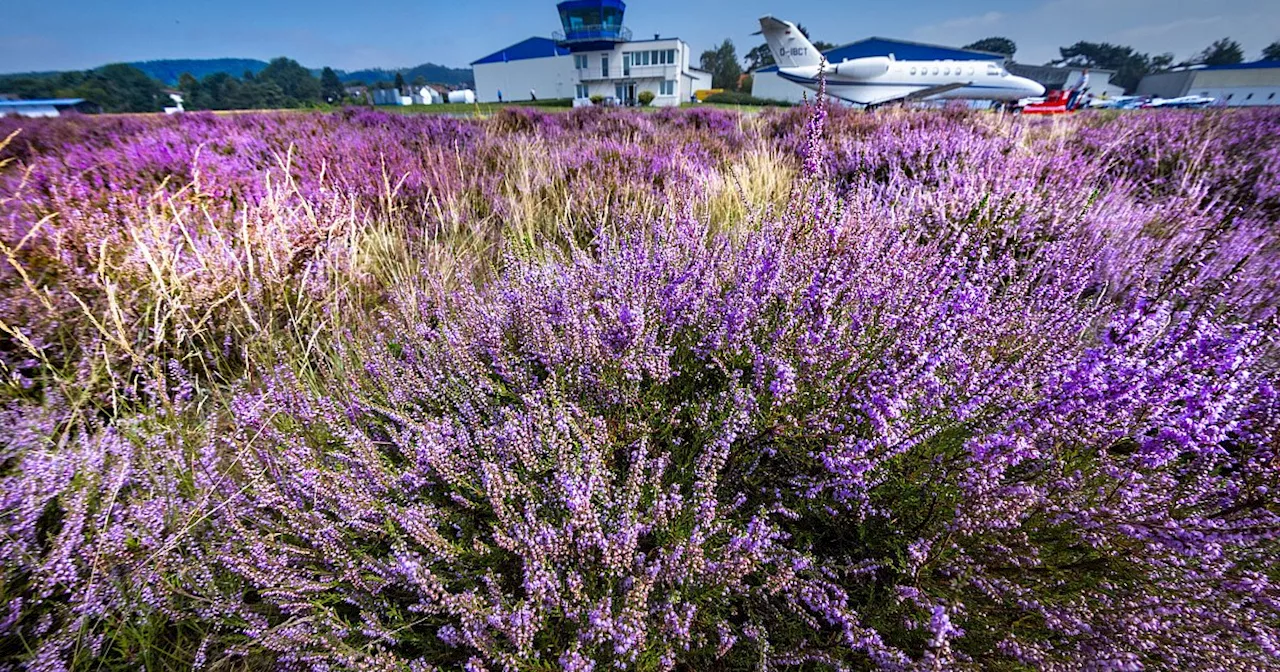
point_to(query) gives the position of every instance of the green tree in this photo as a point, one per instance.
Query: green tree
(722, 63)
(295, 82)
(998, 45)
(191, 93)
(400, 83)
(330, 86)
(1223, 52)
(259, 95)
(1272, 52)
(122, 88)
(1130, 66)
(759, 57)
(1161, 62)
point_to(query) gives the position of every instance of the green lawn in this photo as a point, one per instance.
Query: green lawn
(486, 109)
(480, 109)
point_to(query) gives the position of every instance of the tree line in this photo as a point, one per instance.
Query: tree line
(282, 84)
(1129, 64)
(116, 88)
(120, 87)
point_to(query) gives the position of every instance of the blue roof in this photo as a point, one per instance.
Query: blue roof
(534, 47)
(45, 102)
(1255, 65)
(903, 51)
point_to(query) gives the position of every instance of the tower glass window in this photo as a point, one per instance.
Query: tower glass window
(593, 20)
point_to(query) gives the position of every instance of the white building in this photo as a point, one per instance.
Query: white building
(427, 95)
(1060, 78)
(177, 107)
(1242, 85)
(53, 107)
(594, 56)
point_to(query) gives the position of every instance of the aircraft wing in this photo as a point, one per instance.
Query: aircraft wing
(923, 93)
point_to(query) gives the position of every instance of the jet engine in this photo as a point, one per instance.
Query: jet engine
(861, 68)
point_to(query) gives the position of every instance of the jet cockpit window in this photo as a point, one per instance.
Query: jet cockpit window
(993, 70)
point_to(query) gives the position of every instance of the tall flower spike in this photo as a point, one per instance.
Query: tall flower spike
(815, 142)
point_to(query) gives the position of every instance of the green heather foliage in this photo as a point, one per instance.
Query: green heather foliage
(619, 390)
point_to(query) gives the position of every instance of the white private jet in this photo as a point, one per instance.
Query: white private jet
(876, 80)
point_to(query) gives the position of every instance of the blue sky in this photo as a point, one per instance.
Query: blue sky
(67, 34)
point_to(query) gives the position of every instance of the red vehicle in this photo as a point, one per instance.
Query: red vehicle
(1061, 101)
(1056, 103)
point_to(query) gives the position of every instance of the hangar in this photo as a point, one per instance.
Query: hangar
(51, 107)
(1240, 85)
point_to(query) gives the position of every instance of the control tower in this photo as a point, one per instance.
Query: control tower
(591, 25)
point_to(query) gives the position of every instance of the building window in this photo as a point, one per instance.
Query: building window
(582, 91)
(580, 61)
(671, 56)
(619, 92)
(604, 65)
(667, 88)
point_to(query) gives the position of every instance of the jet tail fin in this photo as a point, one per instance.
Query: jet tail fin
(790, 48)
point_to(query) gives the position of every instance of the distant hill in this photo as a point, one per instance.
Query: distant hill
(435, 74)
(169, 70)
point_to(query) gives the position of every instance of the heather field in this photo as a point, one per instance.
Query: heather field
(608, 390)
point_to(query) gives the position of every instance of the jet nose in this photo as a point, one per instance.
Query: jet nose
(1034, 89)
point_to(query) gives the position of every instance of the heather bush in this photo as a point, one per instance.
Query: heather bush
(671, 390)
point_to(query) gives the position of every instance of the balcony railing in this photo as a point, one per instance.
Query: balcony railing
(593, 74)
(593, 34)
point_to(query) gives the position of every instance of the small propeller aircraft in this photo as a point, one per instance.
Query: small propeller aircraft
(876, 80)
(1182, 102)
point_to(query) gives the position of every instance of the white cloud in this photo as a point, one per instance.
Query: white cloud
(972, 22)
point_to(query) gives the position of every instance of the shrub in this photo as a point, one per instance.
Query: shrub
(597, 99)
(363, 391)
(736, 98)
(645, 97)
